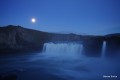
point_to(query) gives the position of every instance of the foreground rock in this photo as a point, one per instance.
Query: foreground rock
(9, 77)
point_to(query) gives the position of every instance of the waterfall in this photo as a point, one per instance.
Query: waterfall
(62, 49)
(103, 49)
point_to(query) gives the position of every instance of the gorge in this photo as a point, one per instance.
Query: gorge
(27, 54)
(16, 39)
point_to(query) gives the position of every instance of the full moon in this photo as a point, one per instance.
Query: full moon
(33, 20)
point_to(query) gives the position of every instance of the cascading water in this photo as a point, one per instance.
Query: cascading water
(103, 49)
(60, 61)
(62, 49)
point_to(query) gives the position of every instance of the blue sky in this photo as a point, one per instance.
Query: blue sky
(97, 17)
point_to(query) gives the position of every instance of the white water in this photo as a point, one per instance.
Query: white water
(62, 50)
(60, 61)
(103, 49)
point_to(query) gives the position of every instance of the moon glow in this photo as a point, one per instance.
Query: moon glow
(33, 20)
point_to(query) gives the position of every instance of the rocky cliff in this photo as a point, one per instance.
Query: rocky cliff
(19, 39)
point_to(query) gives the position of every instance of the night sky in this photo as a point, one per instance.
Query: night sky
(97, 17)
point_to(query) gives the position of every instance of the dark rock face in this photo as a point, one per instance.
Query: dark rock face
(9, 77)
(113, 45)
(16, 39)
(92, 46)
